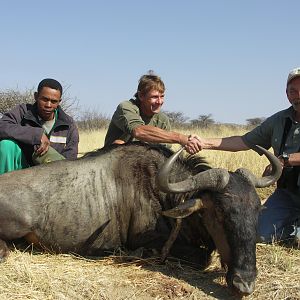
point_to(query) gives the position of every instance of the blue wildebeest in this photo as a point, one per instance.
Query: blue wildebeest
(114, 197)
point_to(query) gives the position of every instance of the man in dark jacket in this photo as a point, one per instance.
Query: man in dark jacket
(37, 133)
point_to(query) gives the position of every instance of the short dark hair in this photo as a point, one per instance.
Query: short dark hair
(50, 83)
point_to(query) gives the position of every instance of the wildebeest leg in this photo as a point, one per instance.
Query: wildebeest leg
(4, 251)
(168, 244)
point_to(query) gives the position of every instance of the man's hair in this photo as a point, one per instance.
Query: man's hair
(50, 83)
(150, 82)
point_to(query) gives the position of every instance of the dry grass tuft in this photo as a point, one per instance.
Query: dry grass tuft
(279, 269)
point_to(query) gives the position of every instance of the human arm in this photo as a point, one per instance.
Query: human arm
(11, 127)
(127, 124)
(233, 143)
(43, 147)
(152, 134)
(261, 135)
(292, 161)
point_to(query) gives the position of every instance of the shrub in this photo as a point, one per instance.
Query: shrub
(92, 120)
(11, 97)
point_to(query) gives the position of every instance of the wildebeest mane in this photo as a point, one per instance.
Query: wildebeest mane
(194, 163)
(160, 148)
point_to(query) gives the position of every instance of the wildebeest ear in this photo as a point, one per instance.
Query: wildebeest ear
(185, 209)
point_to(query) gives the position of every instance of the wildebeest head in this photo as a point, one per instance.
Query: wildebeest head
(229, 207)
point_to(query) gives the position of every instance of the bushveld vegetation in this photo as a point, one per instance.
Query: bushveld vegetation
(88, 119)
(29, 274)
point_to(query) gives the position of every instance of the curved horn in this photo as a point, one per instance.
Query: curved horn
(213, 179)
(184, 209)
(267, 180)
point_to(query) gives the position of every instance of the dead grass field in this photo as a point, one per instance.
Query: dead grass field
(27, 275)
(33, 275)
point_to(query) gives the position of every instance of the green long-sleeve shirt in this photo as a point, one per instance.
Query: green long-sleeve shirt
(127, 117)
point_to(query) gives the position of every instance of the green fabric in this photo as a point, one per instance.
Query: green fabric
(127, 117)
(11, 157)
(269, 134)
(51, 155)
(45, 127)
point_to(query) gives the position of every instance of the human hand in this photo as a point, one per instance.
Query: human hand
(194, 144)
(267, 171)
(43, 147)
(118, 142)
(284, 163)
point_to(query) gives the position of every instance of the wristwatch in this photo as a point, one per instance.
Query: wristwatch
(285, 156)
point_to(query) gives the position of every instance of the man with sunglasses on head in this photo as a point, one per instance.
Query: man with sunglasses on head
(37, 133)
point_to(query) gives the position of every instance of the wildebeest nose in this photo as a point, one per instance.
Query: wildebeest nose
(242, 286)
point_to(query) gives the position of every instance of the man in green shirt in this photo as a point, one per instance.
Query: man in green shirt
(281, 218)
(141, 119)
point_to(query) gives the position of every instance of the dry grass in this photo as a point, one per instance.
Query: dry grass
(48, 276)
(90, 141)
(31, 275)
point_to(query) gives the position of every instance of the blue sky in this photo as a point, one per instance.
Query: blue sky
(225, 58)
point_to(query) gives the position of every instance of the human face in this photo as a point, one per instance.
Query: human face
(293, 94)
(151, 102)
(47, 102)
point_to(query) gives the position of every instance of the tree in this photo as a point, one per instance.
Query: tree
(10, 98)
(253, 122)
(176, 118)
(92, 120)
(203, 121)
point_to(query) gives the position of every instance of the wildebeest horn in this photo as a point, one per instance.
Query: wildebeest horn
(266, 180)
(184, 209)
(213, 179)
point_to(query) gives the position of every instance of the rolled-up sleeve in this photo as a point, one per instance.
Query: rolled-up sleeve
(261, 135)
(127, 118)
